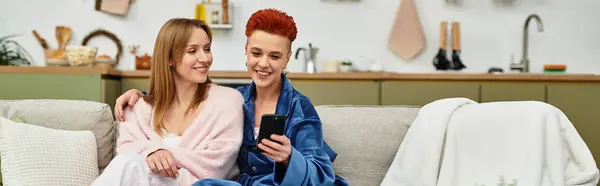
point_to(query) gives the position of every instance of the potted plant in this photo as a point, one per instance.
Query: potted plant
(346, 66)
(12, 53)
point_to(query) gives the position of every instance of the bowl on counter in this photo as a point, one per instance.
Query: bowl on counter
(81, 55)
(104, 61)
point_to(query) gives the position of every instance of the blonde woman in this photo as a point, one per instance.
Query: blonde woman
(186, 128)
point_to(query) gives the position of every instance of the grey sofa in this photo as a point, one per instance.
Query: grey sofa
(365, 138)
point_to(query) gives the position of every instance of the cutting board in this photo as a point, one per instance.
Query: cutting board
(407, 38)
(117, 7)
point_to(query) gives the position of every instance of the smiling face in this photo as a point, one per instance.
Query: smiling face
(181, 56)
(267, 55)
(195, 60)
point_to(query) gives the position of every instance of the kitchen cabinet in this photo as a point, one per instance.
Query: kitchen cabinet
(580, 102)
(111, 90)
(140, 84)
(511, 91)
(90, 87)
(419, 93)
(339, 92)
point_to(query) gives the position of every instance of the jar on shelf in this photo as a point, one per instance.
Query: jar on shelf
(215, 17)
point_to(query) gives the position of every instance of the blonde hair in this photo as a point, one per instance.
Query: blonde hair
(170, 44)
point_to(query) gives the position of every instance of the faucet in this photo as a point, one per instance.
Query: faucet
(523, 66)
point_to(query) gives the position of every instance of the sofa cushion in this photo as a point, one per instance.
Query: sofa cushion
(69, 115)
(35, 155)
(366, 138)
(15, 118)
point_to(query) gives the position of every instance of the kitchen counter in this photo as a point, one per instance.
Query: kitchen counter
(59, 70)
(325, 76)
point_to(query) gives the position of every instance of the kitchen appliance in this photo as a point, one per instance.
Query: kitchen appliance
(310, 58)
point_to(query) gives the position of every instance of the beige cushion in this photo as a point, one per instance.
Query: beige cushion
(15, 118)
(69, 115)
(366, 138)
(34, 155)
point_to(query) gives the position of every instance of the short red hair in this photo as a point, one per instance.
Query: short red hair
(272, 21)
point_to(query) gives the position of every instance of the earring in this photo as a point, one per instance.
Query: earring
(284, 71)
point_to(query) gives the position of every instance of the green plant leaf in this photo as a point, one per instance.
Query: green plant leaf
(12, 53)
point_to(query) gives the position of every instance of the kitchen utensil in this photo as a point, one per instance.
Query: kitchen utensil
(65, 33)
(457, 63)
(115, 7)
(440, 61)
(310, 58)
(59, 36)
(58, 53)
(40, 39)
(407, 38)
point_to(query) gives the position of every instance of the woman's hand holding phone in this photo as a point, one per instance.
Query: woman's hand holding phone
(280, 149)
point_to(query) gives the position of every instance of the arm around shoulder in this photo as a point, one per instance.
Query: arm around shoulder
(134, 135)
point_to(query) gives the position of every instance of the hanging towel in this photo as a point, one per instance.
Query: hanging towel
(407, 39)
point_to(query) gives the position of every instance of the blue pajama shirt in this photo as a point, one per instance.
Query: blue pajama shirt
(311, 158)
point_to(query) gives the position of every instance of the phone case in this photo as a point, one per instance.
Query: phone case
(271, 124)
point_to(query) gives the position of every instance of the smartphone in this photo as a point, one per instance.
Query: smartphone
(270, 124)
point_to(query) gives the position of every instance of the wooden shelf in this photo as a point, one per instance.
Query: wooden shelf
(221, 26)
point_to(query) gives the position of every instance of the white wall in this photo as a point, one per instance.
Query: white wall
(490, 34)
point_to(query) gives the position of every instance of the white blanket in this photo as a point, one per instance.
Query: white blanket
(529, 143)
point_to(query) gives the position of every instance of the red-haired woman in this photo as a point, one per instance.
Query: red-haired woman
(300, 156)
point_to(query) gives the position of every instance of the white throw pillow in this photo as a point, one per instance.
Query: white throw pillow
(34, 155)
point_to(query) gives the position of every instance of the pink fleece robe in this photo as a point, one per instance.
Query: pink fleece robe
(209, 146)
